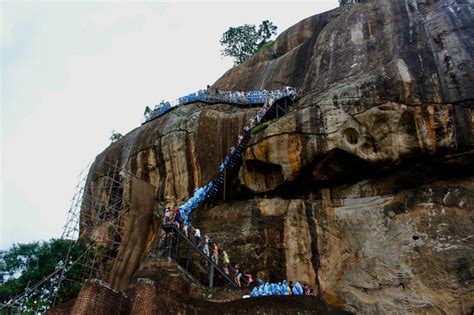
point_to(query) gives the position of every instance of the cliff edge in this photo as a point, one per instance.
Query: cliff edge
(364, 189)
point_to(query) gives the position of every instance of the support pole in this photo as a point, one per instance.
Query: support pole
(225, 182)
(177, 247)
(170, 243)
(211, 277)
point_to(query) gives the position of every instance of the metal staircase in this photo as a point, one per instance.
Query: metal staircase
(276, 110)
(176, 246)
(173, 242)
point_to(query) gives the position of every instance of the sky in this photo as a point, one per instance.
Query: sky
(73, 71)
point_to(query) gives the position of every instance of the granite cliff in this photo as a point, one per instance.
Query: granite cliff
(364, 189)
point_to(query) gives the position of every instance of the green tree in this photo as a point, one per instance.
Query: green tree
(115, 136)
(242, 42)
(147, 111)
(265, 31)
(25, 265)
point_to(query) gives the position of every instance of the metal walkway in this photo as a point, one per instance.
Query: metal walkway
(276, 110)
(178, 247)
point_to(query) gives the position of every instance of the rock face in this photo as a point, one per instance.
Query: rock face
(365, 189)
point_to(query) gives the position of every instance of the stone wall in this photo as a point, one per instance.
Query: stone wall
(96, 297)
(145, 298)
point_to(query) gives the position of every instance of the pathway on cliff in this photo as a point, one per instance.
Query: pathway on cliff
(275, 105)
(173, 239)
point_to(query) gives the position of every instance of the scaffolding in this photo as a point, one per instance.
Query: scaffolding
(94, 222)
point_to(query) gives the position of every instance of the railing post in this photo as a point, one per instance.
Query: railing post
(169, 241)
(177, 246)
(225, 180)
(211, 277)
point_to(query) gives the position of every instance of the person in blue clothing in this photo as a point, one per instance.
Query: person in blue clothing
(284, 288)
(254, 292)
(297, 289)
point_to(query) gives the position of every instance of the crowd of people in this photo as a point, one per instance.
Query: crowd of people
(180, 217)
(210, 248)
(270, 97)
(221, 258)
(211, 95)
(280, 288)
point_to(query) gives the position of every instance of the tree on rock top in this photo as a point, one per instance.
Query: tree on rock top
(115, 136)
(243, 41)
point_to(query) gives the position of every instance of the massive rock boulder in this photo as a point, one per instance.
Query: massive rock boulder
(364, 189)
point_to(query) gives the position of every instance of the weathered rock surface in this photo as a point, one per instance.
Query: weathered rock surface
(365, 190)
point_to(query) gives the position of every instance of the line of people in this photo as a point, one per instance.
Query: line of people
(280, 288)
(211, 95)
(200, 193)
(211, 249)
(222, 259)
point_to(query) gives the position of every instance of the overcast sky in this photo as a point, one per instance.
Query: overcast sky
(71, 72)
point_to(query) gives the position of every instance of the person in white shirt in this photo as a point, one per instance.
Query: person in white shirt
(207, 244)
(167, 215)
(197, 237)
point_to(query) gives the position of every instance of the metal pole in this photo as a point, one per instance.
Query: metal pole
(211, 277)
(225, 182)
(177, 246)
(170, 244)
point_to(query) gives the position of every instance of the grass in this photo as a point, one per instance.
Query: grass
(261, 127)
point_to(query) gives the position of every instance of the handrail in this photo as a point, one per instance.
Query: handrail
(201, 194)
(212, 96)
(207, 258)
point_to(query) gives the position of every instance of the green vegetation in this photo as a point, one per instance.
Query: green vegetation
(115, 136)
(261, 127)
(242, 42)
(267, 44)
(24, 265)
(147, 111)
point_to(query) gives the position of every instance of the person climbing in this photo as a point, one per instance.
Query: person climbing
(279, 288)
(305, 289)
(177, 218)
(167, 215)
(238, 276)
(197, 237)
(226, 262)
(283, 290)
(297, 289)
(215, 253)
(249, 278)
(207, 244)
(254, 292)
(185, 229)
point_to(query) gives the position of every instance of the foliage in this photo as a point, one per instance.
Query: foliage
(115, 136)
(147, 111)
(265, 31)
(261, 127)
(24, 265)
(267, 44)
(243, 41)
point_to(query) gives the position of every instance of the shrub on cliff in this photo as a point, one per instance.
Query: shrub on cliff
(243, 41)
(115, 136)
